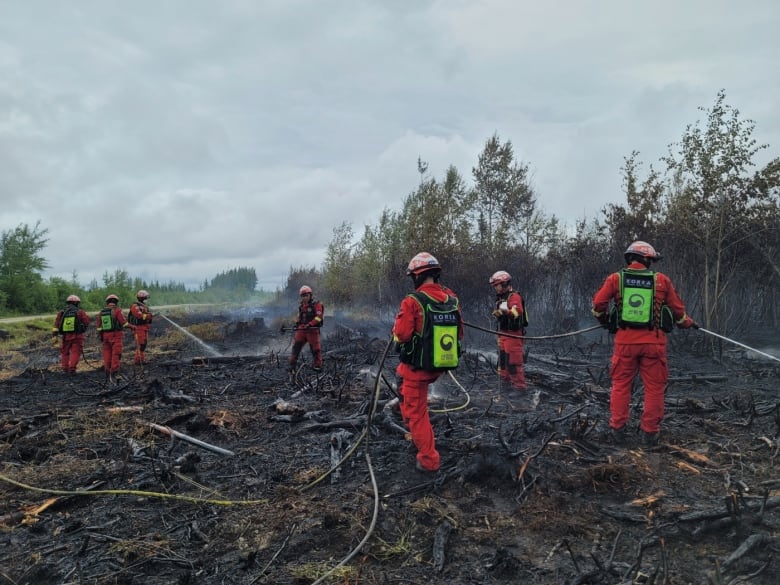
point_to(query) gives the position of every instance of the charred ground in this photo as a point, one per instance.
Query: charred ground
(526, 494)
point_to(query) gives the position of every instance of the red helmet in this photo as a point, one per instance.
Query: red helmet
(142, 294)
(642, 249)
(422, 262)
(500, 277)
(305, 290)
(112, 299)
(73, 299)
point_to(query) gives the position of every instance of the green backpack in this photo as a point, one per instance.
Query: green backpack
(437, 347)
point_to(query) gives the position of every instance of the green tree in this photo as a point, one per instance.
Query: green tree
(337, 270)
(22, 289)
(378, 259)
(504, 202)
(644, 210)
(717, 203)
(434, 218)
(235, 279)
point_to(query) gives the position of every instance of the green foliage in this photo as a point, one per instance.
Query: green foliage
(298, 277)
(25, 333)
(644, 211)
(239, 281)
(435, 216)
(715, 223)
(338, 263)
(717, 205)
(49, 297)
(21, 285)
(504, 202)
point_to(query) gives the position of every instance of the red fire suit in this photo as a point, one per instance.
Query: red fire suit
(113, 339)
(414, 382)
(140, 316)
(510, 349)
(307, 330)
(72, 343)
(640, 350)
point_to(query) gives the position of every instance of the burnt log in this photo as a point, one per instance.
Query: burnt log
(440, 539)
(229, 359)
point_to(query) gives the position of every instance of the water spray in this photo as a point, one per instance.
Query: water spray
(206, 346)
(770, 356)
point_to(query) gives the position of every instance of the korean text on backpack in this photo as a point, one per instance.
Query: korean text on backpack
(437, 347)
(70, 323)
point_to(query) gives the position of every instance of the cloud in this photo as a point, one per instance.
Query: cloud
(177, 140)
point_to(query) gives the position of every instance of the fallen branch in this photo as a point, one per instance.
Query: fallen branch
(751, 542)
(230, 359)
(169, 431)
(355, 421)
(440, 539)
(714, 514)
(528, 460)
(695, 378)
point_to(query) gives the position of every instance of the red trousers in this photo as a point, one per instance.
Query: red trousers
(71, 350)
(510, 360)
(649, 360)
(112, 350)
(141, 335)
(302, 337)
(414, 410)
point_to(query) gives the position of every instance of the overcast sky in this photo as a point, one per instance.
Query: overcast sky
(178, 139)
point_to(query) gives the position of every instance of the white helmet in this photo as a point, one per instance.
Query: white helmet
(642, 249)
(500, 277)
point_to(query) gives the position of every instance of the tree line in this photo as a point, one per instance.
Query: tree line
(24, 291)
(709, 209)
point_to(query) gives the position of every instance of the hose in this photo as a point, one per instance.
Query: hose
(363, 437)
(503, 334)
(145, 494)
(708, 332)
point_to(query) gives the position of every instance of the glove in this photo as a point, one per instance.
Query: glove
(497, 313)
(55, 342)
(603, 320)
(687, 323)
(147, 317)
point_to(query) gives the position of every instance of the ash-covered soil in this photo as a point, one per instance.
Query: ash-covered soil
(96, 490)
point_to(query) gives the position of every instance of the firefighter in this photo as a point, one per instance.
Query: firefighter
(307, 329)
(71, 322)
(510, 313)
(140, 316)
(417, 351)
(111, 324)
(640, 306)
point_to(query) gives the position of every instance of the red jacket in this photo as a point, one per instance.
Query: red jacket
(664, 293)
(139, 314)
(514, 308)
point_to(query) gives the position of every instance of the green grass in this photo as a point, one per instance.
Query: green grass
(25, 333)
